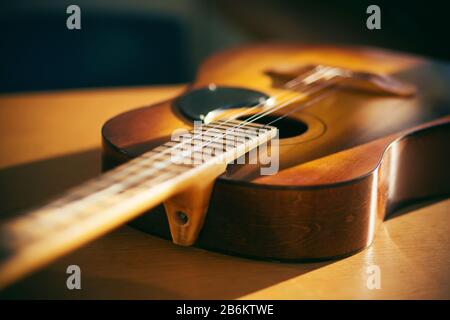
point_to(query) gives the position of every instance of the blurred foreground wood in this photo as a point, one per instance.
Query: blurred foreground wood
(51, 141)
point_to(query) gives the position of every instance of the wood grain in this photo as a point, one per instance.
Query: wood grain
(100, 205)
(412, 249)
(360, 158)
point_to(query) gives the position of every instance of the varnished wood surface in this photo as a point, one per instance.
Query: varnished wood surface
(412, 249)
(357, 161)
(82, 214)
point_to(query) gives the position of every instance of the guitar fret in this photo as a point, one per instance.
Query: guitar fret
(195, 142)
(133, 179)
(217, 143)
(253, 131)
(234, 138)
(223, 129)
(247, 124)
(215, 148)
(220, 139)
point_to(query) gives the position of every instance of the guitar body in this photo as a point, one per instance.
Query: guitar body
(345, 162)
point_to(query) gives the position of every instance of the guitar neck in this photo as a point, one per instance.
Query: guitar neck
(114, 198)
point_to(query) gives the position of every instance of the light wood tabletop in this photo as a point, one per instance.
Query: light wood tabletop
(51, 141)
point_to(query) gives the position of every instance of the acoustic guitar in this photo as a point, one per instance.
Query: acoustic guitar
(351, 134)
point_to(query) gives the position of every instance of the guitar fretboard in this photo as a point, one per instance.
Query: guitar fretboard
(99, 205)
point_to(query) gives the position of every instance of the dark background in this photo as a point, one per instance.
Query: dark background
(137, 42)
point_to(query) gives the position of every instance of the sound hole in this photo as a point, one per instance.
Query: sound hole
(287, 127)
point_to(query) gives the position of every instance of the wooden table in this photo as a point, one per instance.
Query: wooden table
(51, 141)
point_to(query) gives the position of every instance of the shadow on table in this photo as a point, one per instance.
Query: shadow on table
(129, 264)
(27, 185)
(412, 205)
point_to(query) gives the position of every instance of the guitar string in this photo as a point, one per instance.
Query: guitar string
(269, 112)
(289, 85)
(313, 87)
(318, 78)
(240, 125)
(147, 173)
(87, 201)
(325, 85)
(137, 179)
(259, 115)
(307, 104)
(293, 84)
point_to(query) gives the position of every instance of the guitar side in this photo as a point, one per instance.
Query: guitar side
(333, 189)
